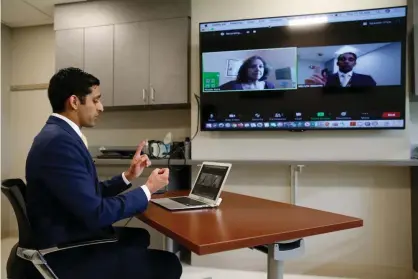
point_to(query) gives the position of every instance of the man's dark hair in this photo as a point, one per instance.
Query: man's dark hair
(351, 53)
(67, 82)
(243, 70)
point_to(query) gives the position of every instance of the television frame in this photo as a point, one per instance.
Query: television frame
(407, 7)
(413, 49)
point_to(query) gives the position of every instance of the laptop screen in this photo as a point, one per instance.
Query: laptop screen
(210, 181)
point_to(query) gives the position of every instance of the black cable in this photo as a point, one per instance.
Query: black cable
(198, 117)
(130, 219)
(182, 148)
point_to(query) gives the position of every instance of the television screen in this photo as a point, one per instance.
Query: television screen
(342, 70)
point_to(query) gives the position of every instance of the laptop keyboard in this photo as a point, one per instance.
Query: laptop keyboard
(187, 201)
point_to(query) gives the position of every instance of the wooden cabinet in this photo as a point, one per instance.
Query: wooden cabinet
(139, 63)
(151, 62)
(131, 64)
(98, 59)
(69, 48)
(169, 61)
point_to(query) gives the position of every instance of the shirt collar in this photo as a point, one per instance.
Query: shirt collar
(349, 74)
(69, 122)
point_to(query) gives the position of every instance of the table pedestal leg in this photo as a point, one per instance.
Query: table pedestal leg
(168, 244)
(275, 268)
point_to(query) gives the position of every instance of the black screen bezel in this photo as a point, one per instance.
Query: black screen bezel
(403, 77)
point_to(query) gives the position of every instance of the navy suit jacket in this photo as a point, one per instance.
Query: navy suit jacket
(65, 200)
(357, 80)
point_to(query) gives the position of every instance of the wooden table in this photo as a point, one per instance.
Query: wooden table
(243, 222)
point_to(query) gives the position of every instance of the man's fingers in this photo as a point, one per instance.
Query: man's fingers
(164, 171)
(143, 160)
(139, 149)
(317, 79)
(141, 146)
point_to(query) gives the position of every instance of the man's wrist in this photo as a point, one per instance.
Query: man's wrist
(128, 176)
(148, 184)
(146, 191)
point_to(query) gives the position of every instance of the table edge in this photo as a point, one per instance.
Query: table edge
(206, 249)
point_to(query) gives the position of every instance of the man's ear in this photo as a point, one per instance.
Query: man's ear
(74, 102)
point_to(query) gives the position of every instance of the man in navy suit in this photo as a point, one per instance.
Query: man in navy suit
(345, 77)
(66, 202)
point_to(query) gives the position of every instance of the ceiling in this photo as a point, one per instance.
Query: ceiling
(326, 53)
(20, 13)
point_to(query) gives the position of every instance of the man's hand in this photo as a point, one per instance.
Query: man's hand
(157, 180)
(318, 79)
(138, 164)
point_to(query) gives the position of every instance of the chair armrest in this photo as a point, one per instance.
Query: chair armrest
(77, 244)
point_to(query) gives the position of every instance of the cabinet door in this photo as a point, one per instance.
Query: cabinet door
(131, 64)
(98, 59)
(69, 48)
(169, 41)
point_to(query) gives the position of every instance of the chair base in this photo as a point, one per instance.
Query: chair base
(38, 261)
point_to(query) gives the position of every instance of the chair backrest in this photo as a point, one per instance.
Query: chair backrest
(15, 191)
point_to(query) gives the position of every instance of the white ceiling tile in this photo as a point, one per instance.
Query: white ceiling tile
(17, 13)
(20, 13)
(47, 6)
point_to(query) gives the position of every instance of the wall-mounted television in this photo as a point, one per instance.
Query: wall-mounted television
(413, 44)
(342, 70)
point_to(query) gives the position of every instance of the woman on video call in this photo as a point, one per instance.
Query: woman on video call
(252, 75)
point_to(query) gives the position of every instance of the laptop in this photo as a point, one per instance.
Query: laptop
(206, 189)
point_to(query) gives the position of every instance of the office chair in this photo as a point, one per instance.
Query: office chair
(25, 249)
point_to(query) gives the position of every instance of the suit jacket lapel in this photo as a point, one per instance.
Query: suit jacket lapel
(353, 79)
(337, 81)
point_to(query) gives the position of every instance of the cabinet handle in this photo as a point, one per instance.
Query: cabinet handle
(152, 94)
(144, 92)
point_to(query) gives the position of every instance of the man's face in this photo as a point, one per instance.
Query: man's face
(346, 62)
(88, 112)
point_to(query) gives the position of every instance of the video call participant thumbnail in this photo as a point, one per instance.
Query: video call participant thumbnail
(345, 77)
(252, 75)
(209, 180)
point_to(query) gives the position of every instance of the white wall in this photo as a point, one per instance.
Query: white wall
(33, 63)
(6, 70)
(383, 64)
(33, 55)
(105, 12)
(382, 248)
(6, 64)
(413, 107)
(30, 52)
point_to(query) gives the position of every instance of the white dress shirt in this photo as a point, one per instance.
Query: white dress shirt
(345, 77)
(78, 131)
